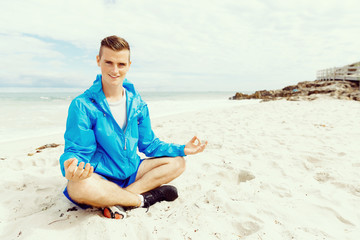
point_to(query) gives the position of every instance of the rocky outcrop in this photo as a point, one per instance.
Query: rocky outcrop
(307, 91)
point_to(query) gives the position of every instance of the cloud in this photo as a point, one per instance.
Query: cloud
(30, 61)
(210, 45)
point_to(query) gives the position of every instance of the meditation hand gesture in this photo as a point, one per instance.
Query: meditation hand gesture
(77, 173)
(194, 146)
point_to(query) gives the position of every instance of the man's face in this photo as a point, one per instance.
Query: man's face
(114, 65)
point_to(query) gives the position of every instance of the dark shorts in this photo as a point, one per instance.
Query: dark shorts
(121, 183)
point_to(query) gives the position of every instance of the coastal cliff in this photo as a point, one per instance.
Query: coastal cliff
(309, 90)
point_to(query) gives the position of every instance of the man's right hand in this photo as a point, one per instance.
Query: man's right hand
(77, 173)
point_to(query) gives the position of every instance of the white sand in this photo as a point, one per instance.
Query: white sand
(272, 170)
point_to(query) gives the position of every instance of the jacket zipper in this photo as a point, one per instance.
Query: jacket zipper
(125, 136)
(127, 124)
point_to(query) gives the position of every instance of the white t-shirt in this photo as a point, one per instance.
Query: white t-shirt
(118, 110)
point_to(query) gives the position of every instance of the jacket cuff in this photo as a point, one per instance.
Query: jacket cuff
(181, 151)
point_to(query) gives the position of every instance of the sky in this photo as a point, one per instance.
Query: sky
(178, 45)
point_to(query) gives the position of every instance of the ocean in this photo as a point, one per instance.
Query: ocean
(29, 112)
(66, 95)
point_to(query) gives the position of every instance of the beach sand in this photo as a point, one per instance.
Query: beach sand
(272, 170)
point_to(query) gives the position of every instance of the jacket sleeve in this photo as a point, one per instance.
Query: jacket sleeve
(80, 142)
(150, 145)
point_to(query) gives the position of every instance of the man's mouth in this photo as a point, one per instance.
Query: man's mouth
(113, 76)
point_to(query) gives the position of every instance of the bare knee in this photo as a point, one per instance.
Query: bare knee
(78, 190)
(83, 190)
(180, 164)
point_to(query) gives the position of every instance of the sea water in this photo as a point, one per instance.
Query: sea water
(30, 112)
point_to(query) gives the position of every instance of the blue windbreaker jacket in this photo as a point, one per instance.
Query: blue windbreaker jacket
(93, 136)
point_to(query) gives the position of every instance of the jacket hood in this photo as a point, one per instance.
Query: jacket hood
(96, 94)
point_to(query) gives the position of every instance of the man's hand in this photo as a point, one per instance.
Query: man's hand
(77, 173)
(194, 146)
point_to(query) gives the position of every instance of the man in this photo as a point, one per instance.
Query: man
(105, 127)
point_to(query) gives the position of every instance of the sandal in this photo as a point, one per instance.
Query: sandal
(115, 212)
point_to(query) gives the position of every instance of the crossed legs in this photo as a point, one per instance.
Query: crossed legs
(152, 173)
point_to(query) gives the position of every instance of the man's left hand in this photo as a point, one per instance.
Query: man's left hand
(194, 146)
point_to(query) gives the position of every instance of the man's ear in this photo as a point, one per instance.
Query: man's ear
(98, 60)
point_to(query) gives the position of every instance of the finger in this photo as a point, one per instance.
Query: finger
(72, 168)
(86, 171)
(68, 175)
(68, 162)
(195, 141)
(79, 170)
(196, 150)
(91, 171)
(202, 148)
(69, 171)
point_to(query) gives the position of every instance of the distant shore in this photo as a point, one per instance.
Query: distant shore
(310, 90)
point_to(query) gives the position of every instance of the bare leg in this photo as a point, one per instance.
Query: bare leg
(155, 172)
(98, 192)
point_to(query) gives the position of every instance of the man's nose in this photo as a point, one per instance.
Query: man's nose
(115, 68)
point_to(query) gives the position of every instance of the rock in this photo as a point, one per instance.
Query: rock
(39, 149)
(239, 95)
(72, 209)
(51, 145)
(307, 91)
(320, 92)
